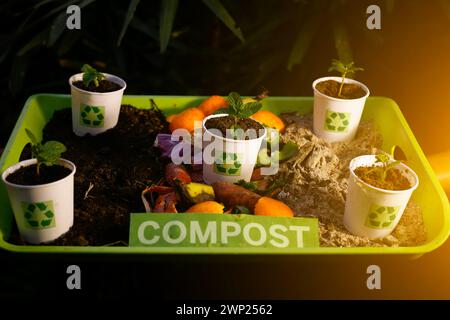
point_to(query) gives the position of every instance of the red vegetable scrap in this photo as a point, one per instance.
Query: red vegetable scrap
(165, 202)
(176, 174)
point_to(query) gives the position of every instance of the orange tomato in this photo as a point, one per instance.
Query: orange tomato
(170, 118)
(206, 207)
(269, 119)
(270, 207)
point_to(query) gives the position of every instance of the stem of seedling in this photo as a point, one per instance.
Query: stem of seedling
(345, 70)
(239, 110)
(344, 75)
(48, 153)
(386, 165)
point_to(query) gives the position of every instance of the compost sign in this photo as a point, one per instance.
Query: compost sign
(221, 230)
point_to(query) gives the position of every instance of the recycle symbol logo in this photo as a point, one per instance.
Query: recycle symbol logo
(39, 215)
(92, 116)
(337, 121)
(381, 217)
(228, 164)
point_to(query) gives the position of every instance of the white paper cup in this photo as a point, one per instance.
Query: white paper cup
(232, 160)
(337, 119)
(42, 212)
(373, 212)
(95, 112)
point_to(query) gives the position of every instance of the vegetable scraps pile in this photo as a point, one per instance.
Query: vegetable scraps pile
(311, 182)
(183, 190)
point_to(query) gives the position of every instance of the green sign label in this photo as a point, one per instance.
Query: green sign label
(224, 230)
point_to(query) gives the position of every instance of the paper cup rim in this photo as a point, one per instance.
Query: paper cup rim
(25, 163)
(227, 139)
(109, 77)
(410, 171)
(347, 80)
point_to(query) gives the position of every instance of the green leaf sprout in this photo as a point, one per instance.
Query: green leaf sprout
(387, 164)
(91, 75)
(344, 69)
(241, 110)
(46, 154)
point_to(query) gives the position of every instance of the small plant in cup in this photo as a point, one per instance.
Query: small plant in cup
(47, 154)
(91, 75)
(345, 69)
(41, 192)
(384, 174)
(96, 101)
(236, 117)
(379, 188)
(237, 140)
(338, 103)
(342, 89)
(95, 81)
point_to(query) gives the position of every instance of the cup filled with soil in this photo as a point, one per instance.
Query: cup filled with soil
(230, 147)
(337, 111)
(379, 189)
(96, 100)
(42, 203)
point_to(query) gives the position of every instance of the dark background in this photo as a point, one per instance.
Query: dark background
(287, 45)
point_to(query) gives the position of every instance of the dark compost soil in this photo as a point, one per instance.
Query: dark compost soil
(112, 170)
(349, 91)
(228, 122)
(394, 180)
(27, 175)
(103, 86)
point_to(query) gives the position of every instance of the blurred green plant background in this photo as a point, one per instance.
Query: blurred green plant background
(200, 46)
(162, 47)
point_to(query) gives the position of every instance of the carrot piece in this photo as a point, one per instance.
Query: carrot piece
(232, 195)
(212, 104)
(186, 119)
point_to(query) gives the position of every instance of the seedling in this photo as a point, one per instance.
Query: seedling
(386, 165)
(239, 109)
(46, 154)
(91, 75)
(344, 69)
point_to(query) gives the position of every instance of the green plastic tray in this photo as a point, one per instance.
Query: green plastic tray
(385, 112)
